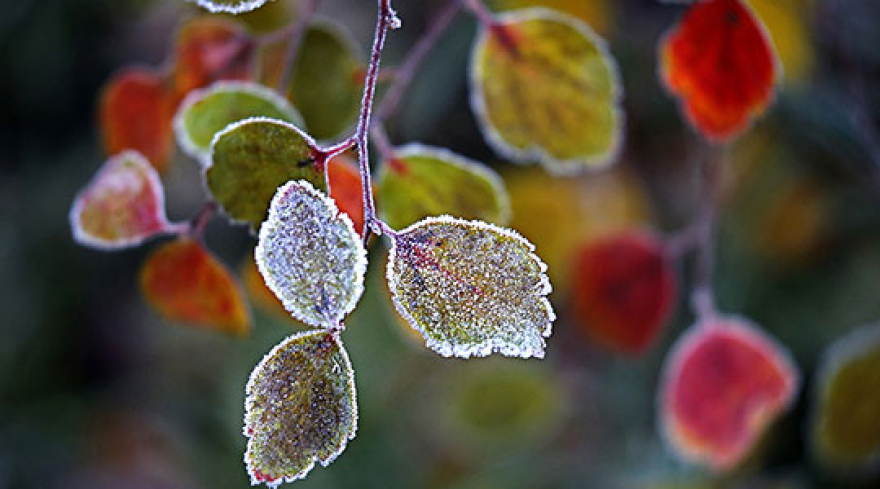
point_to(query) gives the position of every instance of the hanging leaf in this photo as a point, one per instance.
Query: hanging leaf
(597, 13)
(846, 418)
(624, 290)
(123, 205)
(471, 288)
(724, 383)
(210, 49)
(135, 113)
(300, 408)
(422, 181)
(206, 112)
(720, 63)
(230, 6)
(184, 282)
(789, 25)
(310, 256)
(544, 88)
(346, 189)
(250, 159)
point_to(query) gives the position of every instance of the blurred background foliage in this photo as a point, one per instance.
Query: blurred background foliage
(97, 391)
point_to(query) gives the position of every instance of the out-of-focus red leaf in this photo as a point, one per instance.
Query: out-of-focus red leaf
(720, 62)
(135, 113)
(346, 190)
(184, 282)
(624, 290)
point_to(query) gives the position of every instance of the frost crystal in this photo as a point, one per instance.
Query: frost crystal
(300, 408)
(230, 6)
(311, 256)
(471, 288)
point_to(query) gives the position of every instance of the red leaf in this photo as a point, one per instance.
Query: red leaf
(184, 282)
(724, 383)
(135, 113)
(624, 290)
(346, 190)
(720, 62)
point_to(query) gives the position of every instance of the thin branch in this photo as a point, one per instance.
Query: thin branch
(407, 70)
(481, 12)
(196, 227)
(703, 294)
(387, 19)
(380, 139)
(294, 34)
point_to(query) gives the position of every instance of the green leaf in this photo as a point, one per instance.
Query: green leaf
(300, 408)
(327, 83)
(846, 420)
(206, 112)
(544, 87)
(250, 159)
(231, 6)
(471, 288)
(311, 256)
(423, 181)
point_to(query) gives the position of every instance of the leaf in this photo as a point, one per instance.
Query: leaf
(543, 87)
(720, 63)
(845, 425)
(210, 49)
(184, 282)
(311, 256)
(301, 408)
(250, 159)
(258, 292)
(423, 181)
(206, 112)
(471, 288)
(346, 189)
(328, 81)
(230, 6)
(624, 291)
(724, 383)
(788, 23)
(135, 114)
(597, 13)
(122, 206)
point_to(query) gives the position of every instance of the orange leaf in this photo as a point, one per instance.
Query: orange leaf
(135, 113)
(624, 290)
(346, 190)
(184, 282)
(720, 62)
(210, 49)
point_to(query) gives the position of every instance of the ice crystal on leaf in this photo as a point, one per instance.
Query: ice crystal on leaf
(471, 288)
(300, 408)
(231, 6)
(122, 206)
(311, 256)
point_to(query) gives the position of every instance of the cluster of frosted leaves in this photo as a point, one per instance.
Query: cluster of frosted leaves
(206, 112)
(544, 87)
(724, 383)
(846, 418)
(422, 181)
(231, 6)
(122, 206)
(250, 159)
(185, 282)
(300, 408)
(471, 288)
(311, 256)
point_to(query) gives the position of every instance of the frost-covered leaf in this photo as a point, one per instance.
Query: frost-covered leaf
(846, 418)
(599, 14)
(346, 189)
(135, 114)
(123, 205)
(210, 49)
(422, 181)
(471, 288)
(250, 159)
(544, 87)
(720, 63)
(300, 408)
(311, 256)
(328, 80)
(724, 383)
(184, 282)
(230, 6)
(624, 290)
(206, 112)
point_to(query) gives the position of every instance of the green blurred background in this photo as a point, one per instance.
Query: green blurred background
(96, 390)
